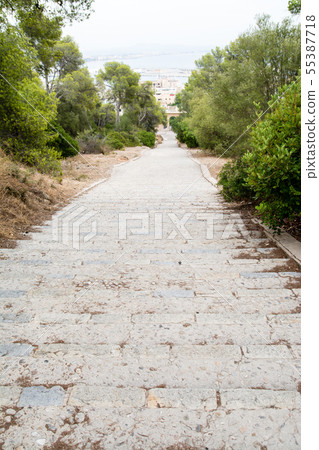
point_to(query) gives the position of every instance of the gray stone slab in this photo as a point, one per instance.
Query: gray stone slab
(16, 349)
(99, 262)
(41, 396)
(11, 293)
(12, 318)
(259, 274)
(34, 262)
(290, 274)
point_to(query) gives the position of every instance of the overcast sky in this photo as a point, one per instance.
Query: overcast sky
(196, 23)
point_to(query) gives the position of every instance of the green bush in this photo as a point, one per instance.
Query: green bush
(186, 135)
(45, 160)
(232, 178)
(131, 139)
(183, 132)
(126, 123)
(173, 123)
(115, 140)
(147, 138)
(274, 164)
(66, 144)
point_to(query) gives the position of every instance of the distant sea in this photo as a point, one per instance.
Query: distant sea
(165, 62)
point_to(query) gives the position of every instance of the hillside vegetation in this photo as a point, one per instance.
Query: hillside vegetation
(243, 101)
(50, 106)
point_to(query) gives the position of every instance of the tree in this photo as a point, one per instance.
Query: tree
(145, 100)
(43, 33)
(56, 57)
(70, 57)
(78, 100)
(221, 95)
(122, 84)
(69, 9)
(294, 6)
(104, 115)
(21, 124)
(144, 111)
(25, 108)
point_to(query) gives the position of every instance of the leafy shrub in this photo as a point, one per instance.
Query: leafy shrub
(115, 140)
(91, 142)
(66, 144)
(45, 160)
(232, 178)
(187, 135)
(126, 123)
(183, 132)
(26, 109)
(131, 139)
(274, 164)
(173, 123)
(147, 138)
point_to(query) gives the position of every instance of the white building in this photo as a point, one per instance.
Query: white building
(166, 90)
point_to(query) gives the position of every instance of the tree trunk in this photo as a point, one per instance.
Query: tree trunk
(47, 85)
(118, 107)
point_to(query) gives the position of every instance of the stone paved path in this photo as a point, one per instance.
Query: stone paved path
(149, 315)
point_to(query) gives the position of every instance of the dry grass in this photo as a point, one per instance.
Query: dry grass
(28, 198)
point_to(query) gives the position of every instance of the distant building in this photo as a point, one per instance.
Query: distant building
(166, 90)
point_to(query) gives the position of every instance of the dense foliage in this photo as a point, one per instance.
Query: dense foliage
(147, 138)
(274, 164)
(269, 173)
(183, 132)
(68, 9)
(25, 107)
(220, 96)
(65, 143)
(49, 102)
(233, 181)
(224, 106)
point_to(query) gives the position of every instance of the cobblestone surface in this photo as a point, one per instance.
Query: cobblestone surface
(149, 314)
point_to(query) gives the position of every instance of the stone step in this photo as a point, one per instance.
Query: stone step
(150, 372)
(141, 427)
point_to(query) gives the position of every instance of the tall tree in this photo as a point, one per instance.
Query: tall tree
(78, 100)
(56, 57)
(68, 9)
(220, 97)
(145, 111)
(122, 85)
(25, 107)
(43, 33)
(70, 57)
